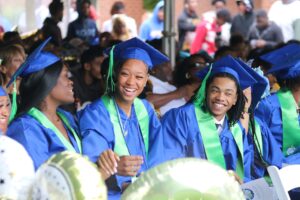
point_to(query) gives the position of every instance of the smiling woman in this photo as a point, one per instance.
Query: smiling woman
(4, 110)
(122, 133)
(41, 127)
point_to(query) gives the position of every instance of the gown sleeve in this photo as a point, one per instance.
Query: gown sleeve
(31, 137)
(96, 129)
(175, 132)
(156, 149)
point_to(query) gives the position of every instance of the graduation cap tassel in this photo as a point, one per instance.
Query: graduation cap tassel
(200, 96)
(110, 85)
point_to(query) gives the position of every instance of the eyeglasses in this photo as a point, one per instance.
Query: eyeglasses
(199, 65)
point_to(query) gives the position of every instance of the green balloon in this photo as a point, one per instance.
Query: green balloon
(184, 179)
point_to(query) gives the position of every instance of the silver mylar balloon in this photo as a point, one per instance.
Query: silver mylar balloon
(184, 179)
(68, 176)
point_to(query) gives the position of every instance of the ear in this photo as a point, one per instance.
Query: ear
(3, 69)
(235, 100)
(87, 66)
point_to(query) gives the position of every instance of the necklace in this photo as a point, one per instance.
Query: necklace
(123, 126)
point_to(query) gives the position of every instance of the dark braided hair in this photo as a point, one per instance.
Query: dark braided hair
(236, 111)
(258, 157)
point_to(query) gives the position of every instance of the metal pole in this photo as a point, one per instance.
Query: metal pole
(169, 30)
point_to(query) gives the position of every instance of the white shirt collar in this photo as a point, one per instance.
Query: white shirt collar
(221, 122)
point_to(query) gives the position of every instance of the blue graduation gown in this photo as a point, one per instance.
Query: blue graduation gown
(182, 138)
(39, 141)
(269, 111)
(271, 152)
(98, 136)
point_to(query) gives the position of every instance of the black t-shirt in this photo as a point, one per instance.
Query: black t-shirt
(86, 93)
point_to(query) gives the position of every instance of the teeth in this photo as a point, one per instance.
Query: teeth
(129, 90)
(218, 105)
(3, 120)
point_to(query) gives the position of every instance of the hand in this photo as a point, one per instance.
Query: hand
(260, 43)
(235, 176)
(108, 163)
(129, 165)
(247, 93)
(189, 90)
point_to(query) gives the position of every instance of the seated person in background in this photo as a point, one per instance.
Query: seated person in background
(224, 51)
(120, 30)
(88, 81)
(164, 95)
(239, 46)
(264, 33)
(153, 27)
(50, 27)
(83, 27)
(206, 33)
(185, 72)
(119, 8)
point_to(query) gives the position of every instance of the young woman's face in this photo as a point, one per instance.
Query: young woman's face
(132, 79)
(4, 113)
(221, 96)
(62, 92)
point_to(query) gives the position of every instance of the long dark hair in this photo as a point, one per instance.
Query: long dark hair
(289, 84)
(36, 86)
(258, 157)
(236, 111)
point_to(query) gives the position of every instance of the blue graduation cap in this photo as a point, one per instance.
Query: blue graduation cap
(258, 87)
(287, 53)
(36, 61)
(2, 92)
(132, 49)
(226, 64)
(230, 65)
(286, 70)
(137, 49)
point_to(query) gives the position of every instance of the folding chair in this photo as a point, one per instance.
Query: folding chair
(285, 179)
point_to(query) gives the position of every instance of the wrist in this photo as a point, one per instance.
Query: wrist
(246, 110)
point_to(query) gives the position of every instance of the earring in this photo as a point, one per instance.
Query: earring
(187, 75)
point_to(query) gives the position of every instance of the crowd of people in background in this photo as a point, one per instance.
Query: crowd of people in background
(110, 93)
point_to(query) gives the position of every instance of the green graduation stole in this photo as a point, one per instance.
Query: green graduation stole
(40, 117)
(142, 115)
(258, 138)
(14, 105)
(290, 122)
(211, 140)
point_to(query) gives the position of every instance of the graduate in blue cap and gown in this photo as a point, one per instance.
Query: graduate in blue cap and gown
(40, 126)
(5, 108)
(120, 131)
(264, 146)
(280, 111)
(208, 127)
